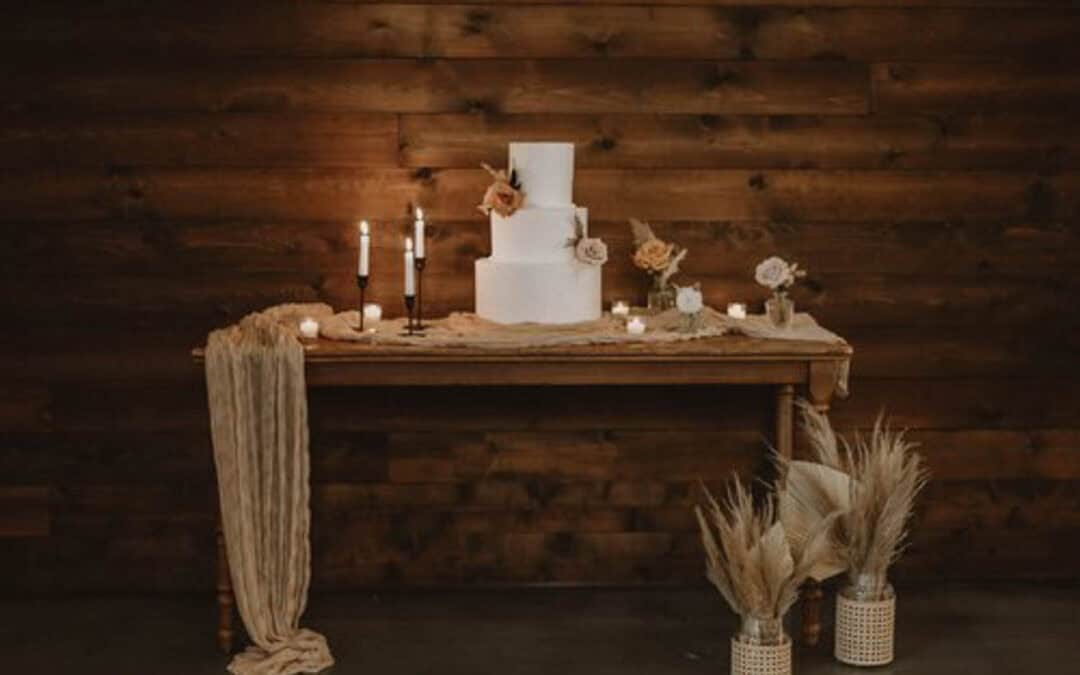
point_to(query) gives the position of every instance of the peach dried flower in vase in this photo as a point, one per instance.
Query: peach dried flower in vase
(654, 255)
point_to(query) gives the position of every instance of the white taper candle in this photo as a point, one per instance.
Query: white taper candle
(419, 227)
(365, 250)
(410, 268)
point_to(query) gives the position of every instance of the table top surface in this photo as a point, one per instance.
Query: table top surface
(722, 348)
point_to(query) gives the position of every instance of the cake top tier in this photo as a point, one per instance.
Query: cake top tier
(546, 172)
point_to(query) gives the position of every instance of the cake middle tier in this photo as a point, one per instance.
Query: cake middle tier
(537, 234)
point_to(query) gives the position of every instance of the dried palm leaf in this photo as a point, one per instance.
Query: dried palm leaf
(641, 230)
(812, 493)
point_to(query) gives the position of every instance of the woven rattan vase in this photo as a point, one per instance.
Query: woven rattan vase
(865, 628)
(760, 648)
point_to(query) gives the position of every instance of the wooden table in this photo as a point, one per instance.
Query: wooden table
(727, 360)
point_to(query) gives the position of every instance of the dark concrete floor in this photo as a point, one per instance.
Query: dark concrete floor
(999, 629)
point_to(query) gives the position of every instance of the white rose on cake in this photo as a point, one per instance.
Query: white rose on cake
(591, 251)
(775, 273)
(688, 300)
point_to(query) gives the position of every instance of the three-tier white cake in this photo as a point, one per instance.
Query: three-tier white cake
(533, 274)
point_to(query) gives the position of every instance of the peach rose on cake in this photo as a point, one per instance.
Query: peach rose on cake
(503, 196)
(654, 255)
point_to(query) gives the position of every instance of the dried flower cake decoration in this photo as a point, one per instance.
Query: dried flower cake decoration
(504, 196)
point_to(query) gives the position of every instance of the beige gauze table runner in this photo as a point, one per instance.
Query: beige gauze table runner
(258, 424)
(466, 330)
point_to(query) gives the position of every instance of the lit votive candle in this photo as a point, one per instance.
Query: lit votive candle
(635, 326)
(620, 309)
(736, 310)
(309, 328)
(372, 312)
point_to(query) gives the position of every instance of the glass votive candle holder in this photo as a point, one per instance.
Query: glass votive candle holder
(736, 310)
(372, 312)
(309, 328)
(620, 308)
(635, 326)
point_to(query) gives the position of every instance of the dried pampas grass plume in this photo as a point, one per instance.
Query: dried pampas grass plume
(820, 434)
(870, 484)
(886, 476)
(748, 556)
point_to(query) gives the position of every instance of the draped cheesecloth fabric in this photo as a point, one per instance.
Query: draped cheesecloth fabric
(258, 420)
(258, 423)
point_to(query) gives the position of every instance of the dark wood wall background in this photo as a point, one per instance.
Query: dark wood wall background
(166, 167)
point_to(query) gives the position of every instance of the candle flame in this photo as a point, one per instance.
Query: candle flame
(419, 213)
(408, 243)
(363, 227)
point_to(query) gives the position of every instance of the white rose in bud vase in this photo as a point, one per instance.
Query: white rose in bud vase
(774, 273)
(688, 300)
(778, 275)
(591, 251)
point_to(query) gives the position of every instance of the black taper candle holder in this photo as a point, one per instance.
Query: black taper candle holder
(420, 263)
(410, 325)
(361, 283)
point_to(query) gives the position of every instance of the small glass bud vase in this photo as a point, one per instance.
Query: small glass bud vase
(692, 323)
(760, 648)
(660, 298)
(865, 622)
(780, 309)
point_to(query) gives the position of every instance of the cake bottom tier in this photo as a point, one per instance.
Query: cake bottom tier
(548, 292)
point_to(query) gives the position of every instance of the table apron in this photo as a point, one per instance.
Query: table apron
(554, 373)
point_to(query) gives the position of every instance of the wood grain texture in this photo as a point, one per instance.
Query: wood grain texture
(948, 87)
(435, 85)
(450, 194)
(24, 511)
(166, 168)
(210, 140)
(164, 251)
(585, 31)
(955, 141)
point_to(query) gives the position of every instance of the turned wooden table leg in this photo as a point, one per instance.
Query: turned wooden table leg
(821, 387)
(785, 444)
(812, 600)
(785, 420)
(225, 598)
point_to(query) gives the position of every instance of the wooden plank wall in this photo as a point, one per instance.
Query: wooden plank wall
(166, 167)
